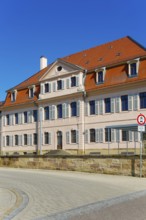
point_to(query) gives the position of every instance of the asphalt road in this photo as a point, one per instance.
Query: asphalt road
(56, 195)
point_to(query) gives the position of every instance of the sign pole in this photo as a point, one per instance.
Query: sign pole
(140, 154)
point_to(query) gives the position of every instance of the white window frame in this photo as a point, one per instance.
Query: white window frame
(31, 87)
(13, 95)
(129, 66)
(103, 69)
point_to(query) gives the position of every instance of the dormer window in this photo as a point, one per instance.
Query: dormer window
(13, 96)
(31, 91)
(100, 75)
(133, 67)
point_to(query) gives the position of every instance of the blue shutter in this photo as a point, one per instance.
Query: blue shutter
(86, 136)
(67, 137)
(112, 105)
(78, 108)
(129, 102)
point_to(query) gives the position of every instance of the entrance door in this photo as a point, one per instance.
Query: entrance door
(59, 140)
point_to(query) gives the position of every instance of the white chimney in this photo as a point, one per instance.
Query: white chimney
(43, 62)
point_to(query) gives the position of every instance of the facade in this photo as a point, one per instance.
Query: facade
(85, 101)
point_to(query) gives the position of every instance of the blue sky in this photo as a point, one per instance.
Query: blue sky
(56, 28)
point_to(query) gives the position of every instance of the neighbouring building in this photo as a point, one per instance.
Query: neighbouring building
(85, 101)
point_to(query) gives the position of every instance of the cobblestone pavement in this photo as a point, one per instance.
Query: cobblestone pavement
(39, 194)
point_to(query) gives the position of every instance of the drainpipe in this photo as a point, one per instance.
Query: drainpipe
(40, 133)
(84, 99)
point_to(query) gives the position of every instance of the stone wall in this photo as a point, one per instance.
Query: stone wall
(117, 165)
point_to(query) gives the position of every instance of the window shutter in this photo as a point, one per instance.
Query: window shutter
(67, 110)
(130, 136)
(117, 104)
(136, 136)
(86, 108)
(4, 120)
(12, 138)
(77, 136)
(135, 102)
(97, 135)
(50, 85)
(54, 86)
(77, 80)
(49, 138)
(4, 141)
(101, 107)
(67, 137)
(53, 112)
(67, 83)
(50, 112)
(78, 108)
(96, 107)
(130, 102)
(20, 140)
(42, 88)
(86, 136)
(101, 135)
(19, 118)
(11, 119)
(117, 135)
(112, 105)
(30, 116)
(64, 110)
(62, 84)
(112, 135)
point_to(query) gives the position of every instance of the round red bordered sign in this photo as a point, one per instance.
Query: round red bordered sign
(141, 119)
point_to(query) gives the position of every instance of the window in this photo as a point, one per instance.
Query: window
(133, 67)
(25, 117)
(46, 113)
(46, 138)
(125, 136)
(59, 111)
(25, 139)
(73, 81)
(7, 119)
(73, 109)
(35, 115)
(73, 136)
(16, 140)
(142, 99)
(35, 139)
(92, 135)
(16, 118)
(124, 102)
(59, 84)
(107, 102)
(92, 107)
(7, 140)
(46, 87)
(107, 134)
(100, 75)
(31, 93)
(13, 95)
(59, 68)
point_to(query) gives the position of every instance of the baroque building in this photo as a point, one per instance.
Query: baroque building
(82, 102)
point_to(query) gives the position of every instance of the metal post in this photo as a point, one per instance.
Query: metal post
(108, 130)
(140, 154)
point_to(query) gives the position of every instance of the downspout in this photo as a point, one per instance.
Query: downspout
(84, 99)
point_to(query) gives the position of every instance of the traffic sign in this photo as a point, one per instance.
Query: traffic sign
(141, 119)
(141, 128)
